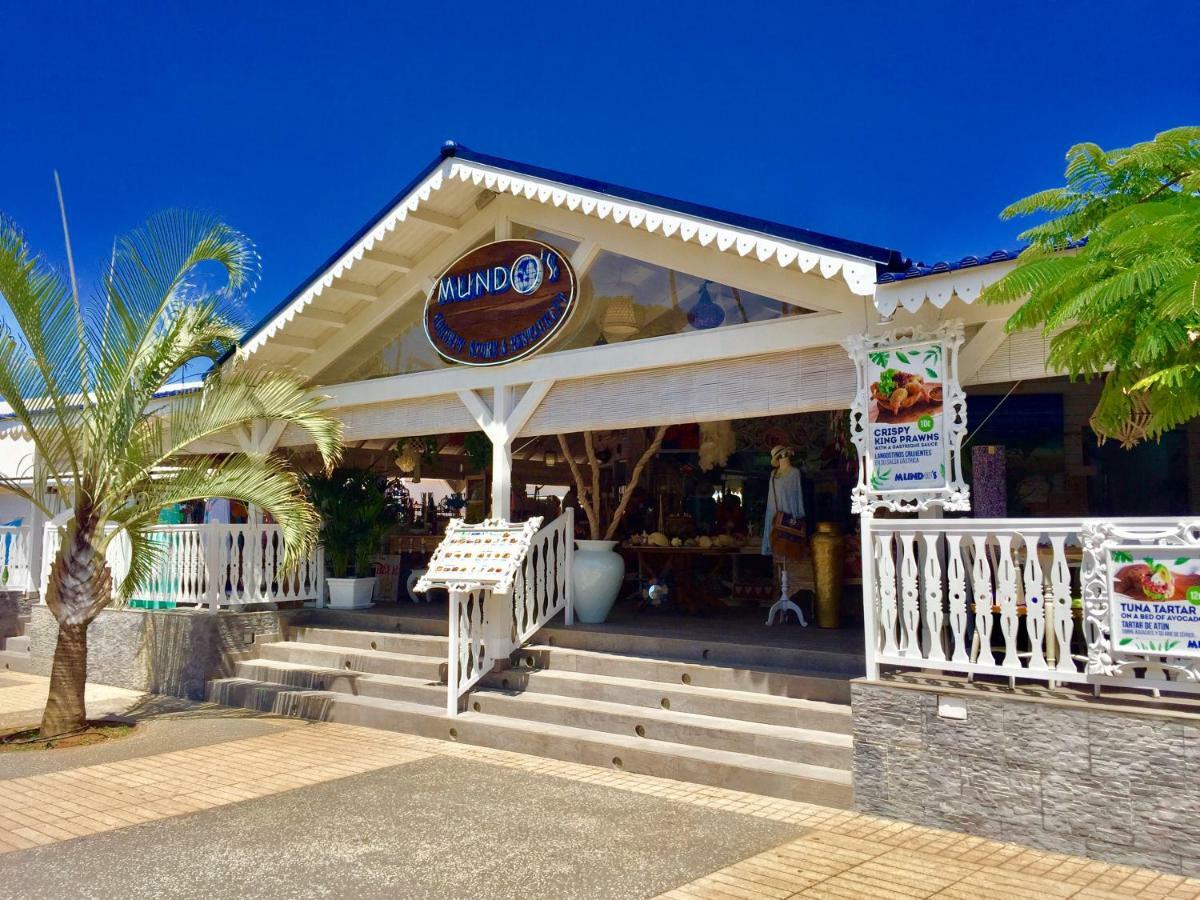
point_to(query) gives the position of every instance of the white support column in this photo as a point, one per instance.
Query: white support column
(37, 527)
(502, 422)
(501, 453)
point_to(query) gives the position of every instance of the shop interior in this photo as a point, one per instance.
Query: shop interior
(692, 521)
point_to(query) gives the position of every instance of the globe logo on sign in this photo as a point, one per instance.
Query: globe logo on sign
(525, 276)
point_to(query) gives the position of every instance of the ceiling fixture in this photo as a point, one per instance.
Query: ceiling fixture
(706, 313)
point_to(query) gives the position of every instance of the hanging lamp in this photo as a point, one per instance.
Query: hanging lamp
(706, 313)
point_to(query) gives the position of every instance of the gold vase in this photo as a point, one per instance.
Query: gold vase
(828, 554)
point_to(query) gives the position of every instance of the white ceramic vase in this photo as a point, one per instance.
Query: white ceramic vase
(597, 576)
(350, 593)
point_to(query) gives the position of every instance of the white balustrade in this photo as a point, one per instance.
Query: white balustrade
(977, 596)
(214, 565)
(485, 627)
(14, 558)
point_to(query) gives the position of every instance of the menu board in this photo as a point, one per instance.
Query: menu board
(486, 555)
(906, 420)
(1154, 597)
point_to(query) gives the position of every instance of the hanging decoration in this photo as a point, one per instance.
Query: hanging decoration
(706, 313)
(717, 444)
(619, 321)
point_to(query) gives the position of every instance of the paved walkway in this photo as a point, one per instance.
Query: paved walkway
(207, 802)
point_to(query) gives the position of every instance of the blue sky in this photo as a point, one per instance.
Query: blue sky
(906, 125)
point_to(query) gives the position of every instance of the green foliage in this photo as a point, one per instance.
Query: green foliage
(358, 508)
(1126, 301)
(81, 378)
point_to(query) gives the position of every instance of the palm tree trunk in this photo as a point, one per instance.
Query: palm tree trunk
(79, 586)
(65, 711)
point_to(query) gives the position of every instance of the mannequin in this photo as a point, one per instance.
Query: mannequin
(784, 494)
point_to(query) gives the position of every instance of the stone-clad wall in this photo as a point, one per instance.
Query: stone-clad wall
(1089, 778)
(172, 652)
(13, 605)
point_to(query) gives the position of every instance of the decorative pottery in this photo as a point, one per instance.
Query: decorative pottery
(598, 573)
(350, 593)
(829, 556)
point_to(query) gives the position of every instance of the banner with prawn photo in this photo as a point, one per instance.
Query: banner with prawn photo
(908, 422)
(908, 443)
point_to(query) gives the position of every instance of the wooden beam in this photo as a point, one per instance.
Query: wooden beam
(324, 316)
(392, 260)
(283, 339)
(367, 291)
(979, 349)
(521, 413)
(440, 221)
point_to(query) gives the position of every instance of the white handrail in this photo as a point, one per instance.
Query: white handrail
(485, 628)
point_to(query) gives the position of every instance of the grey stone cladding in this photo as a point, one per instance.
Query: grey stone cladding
(173, 652)
(1096, 779)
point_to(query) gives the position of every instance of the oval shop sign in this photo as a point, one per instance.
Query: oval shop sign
(500, 302)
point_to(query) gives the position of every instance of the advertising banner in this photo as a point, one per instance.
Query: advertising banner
(908, 421)
(1155, 600)
(907, 426)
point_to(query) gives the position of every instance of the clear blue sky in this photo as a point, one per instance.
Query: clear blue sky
(907, 125)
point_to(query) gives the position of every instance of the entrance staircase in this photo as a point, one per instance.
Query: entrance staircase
(14, 649)
(696, 715)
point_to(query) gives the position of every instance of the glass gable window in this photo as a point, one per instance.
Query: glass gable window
(620, 299)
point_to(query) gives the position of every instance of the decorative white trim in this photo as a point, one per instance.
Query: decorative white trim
(965, 284)
(956, 495)
(858, 273)
(1104, 659)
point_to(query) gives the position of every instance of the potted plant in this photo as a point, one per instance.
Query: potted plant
(358, 508)
(598, 568)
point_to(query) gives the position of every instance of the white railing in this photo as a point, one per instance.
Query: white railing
(978, 596)
(213, 565)
(14, 558)
(543, 586)
(485, 628)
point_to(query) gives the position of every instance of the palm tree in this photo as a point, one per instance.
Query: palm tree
(83, 381)
(1113, 277)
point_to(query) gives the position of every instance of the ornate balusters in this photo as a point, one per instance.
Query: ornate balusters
(1060, 593)
(1006, 599)
(956, 576)
(885, 568)
(981, 583)
(910, 608)
(1035, 603)
(931, 598)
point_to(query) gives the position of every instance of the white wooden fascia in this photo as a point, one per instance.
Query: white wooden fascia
(911, 294)
(858, 273)
(777, 335)
(415, 282)
(397, 215)
(787, 285)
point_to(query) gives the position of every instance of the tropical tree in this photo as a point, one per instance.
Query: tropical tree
(1113, 278)
(84, 382)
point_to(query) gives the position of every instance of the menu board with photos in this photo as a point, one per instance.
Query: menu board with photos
(484, 555)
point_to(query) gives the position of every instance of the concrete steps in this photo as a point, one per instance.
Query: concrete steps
(772, 731)
(702, 765)
(14, 651)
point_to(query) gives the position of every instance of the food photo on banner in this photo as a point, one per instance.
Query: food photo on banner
(1156, 600)
(906, 417)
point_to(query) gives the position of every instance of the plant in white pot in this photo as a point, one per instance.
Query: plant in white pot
(598, 569)
(358, 508)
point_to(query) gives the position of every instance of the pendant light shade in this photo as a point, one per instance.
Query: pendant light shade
(706, 313)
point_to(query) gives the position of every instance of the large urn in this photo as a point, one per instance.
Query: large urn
(829, 556)
(598, 571)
